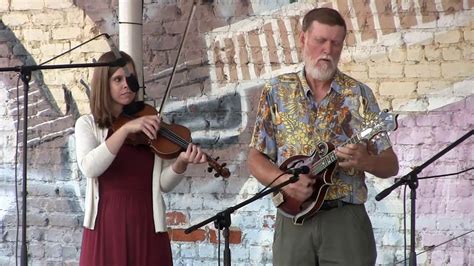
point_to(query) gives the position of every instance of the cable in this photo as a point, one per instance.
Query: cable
(219, 246)
(405, 223)
(440, 244)
(460, 172)
(268, 186)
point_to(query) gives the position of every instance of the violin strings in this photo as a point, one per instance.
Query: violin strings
(175, 138)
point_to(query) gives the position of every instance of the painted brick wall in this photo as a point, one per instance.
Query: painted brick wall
(416, 55)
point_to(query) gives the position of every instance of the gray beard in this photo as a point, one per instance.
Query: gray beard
(322, 74)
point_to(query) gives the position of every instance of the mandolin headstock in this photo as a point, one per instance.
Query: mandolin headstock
(377, 123)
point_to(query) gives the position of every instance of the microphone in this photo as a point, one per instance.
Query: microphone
(132, 81)
(298, 170)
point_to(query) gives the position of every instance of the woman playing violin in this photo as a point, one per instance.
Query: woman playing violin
(124, 216)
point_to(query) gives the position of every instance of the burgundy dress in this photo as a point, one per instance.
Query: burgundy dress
(124, 232)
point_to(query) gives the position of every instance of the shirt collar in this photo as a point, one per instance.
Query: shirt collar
(335, 86)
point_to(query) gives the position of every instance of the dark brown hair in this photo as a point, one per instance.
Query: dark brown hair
(101, 99)
(323, 15)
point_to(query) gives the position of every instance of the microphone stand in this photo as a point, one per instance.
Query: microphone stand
(25, 75)
(222, 219)
(412, 180)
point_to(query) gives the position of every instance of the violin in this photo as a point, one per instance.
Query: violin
(171, 139)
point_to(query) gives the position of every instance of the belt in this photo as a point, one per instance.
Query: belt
(331, 204)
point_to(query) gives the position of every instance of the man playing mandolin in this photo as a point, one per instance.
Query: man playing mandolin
(301, 117)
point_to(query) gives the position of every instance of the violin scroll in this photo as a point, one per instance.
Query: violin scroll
(220, 169)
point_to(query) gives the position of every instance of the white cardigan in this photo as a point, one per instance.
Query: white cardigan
(93, 158)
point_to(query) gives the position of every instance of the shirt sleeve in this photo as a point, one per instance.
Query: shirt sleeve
(263, 137)
(169, 179)
(93, 156)
(381, 140)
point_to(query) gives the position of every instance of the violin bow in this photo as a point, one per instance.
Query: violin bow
(167, 92)
(213, 164)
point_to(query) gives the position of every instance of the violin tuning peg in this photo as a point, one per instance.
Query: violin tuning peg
(209, 169)
(217, 158)
(224, 164)
(216, 175)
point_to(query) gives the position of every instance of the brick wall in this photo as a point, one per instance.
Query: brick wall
(416, 56)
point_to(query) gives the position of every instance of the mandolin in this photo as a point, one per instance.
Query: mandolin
(322, 163)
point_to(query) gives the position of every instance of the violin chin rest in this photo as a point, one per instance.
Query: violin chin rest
(133, 108)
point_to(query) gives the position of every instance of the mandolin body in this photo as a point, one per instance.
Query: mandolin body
(297, 210)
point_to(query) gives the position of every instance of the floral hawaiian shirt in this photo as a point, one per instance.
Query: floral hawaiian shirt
(290, 122)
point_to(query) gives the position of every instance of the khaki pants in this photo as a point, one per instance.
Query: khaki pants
(340, 236)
